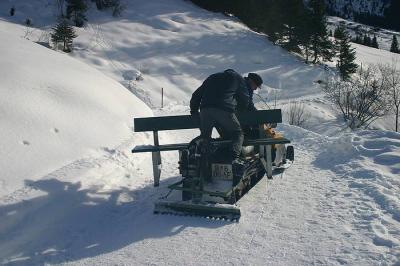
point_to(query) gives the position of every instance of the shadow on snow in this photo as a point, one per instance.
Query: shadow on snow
(70, 223)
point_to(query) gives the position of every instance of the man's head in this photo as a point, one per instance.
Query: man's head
(255, 80)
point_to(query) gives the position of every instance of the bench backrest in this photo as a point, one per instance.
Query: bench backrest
(189, 121)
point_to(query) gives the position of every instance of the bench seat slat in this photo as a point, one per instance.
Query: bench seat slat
(181, 146)
(167, 147)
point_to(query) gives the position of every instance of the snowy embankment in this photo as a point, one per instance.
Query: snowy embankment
(71, 191)
(54, 110)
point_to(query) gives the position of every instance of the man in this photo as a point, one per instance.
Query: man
(219, 97)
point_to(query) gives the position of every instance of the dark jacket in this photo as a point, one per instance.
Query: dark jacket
(226, 90)
(250, 106)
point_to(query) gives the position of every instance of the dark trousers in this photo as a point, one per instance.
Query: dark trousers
(228, 126)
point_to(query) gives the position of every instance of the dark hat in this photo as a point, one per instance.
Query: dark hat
(255, 78)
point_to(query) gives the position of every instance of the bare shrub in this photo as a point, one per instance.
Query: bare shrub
(12, 11)
(362, 99)
(28, 32)
(44, 37)
(28, 22)
(391, 77)
(297, 114)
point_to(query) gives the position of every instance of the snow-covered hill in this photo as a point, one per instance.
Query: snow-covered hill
(72, 193)
(54, 109)
(176, 45)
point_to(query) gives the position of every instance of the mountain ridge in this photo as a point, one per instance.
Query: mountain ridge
(381, 13)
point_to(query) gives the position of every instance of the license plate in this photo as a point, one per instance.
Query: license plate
(221, 171)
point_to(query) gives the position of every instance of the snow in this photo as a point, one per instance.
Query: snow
(52, 114)
(72, 193)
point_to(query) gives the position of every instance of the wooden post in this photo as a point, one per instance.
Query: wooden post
(162, 97)
(266, 159)
(269, 161)
(156, 158)
(265, 152)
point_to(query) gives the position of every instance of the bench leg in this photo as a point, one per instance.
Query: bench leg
(269, 161)
(266, 159)
(156, 158)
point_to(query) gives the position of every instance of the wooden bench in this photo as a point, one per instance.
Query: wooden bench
(254, 118)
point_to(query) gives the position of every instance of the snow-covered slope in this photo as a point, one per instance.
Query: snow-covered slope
(74, 194)
(175, 46)
(384, 37)
(54, 109)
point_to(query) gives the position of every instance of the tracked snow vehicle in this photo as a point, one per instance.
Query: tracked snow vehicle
(210, 185)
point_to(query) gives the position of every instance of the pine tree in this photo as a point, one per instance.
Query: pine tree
(360, 39)
(374, 42)
(293, 30)
(304, 33)
(63, 33)
(367, 40)
(335, 33)
(357, 39)
(346, 54)
(392, 15)
(28, 22)
(394, 47)
(272, 22)
(76, 10)
(218, 6)
(100, 4)
(320, 44)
